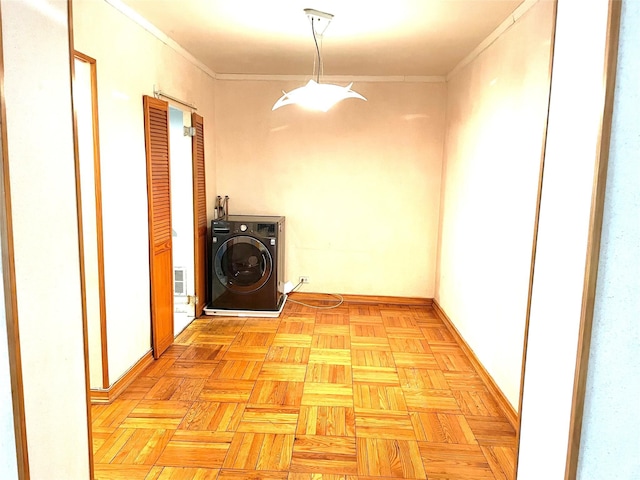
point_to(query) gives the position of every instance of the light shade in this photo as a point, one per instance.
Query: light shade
(317, 96)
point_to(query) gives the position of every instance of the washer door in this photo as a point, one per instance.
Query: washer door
(243, 264)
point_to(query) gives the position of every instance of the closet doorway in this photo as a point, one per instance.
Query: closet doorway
(183, 241)
(177, 218)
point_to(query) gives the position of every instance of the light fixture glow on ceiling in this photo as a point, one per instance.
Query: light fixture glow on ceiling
(315, 95)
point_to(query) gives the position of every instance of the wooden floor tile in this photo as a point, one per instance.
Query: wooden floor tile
(360, 392)
(196, 449)
(330, 355)
(368, 397)
(389, 457)
(425, 313)
(427, 400)
(189, 389)
(292, 340)
(237, 369)
(253, 339)
(379, 375)
(174, 350)
(268, 419)
(409, 345)
(133, 446)
(213, 416)
(328, 329)
(446, 461)
(156, 414)
(227, 474)
(452, 359)
(331, 341)
(323, 476)
(371, 358)
(326, 420)
(422, 378)
(477, 403)
(324, 454)
(158, 367)
(442, 428)
(400, 321)
(368, 330)
(283, 354)
(502, 461)
(183, 473)
(385, 424)
(332, 318)
(495, 431)
(298, 325)
(327, 394)
(283, 371)
(395, 311)
(113, 415)
(138, 388)
(227, 391)
(247, 353)
(214, 340)
(353, 319)
(403, 332)
(225, 326)
(276, 392)
(260, 451)
(438, 334)
(359, 310)
(164, 388)
(370, 343)
(415, 360)
(260, 325)
(464, 381)
(190, 369)
(203, 353)
(100, 435)
(121, 472)
(328, 373)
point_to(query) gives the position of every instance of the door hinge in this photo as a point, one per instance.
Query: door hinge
(189, 131)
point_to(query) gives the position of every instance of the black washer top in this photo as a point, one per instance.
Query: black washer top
(255, 218)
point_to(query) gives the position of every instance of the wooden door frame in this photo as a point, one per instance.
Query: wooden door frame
(9, 289)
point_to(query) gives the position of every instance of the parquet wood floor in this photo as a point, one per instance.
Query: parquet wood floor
(355, 393)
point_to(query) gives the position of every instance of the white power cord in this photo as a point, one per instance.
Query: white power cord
(335, 295)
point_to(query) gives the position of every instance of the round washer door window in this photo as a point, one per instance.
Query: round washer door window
(243, 264)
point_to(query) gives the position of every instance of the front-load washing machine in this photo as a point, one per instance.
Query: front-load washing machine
(246, 264)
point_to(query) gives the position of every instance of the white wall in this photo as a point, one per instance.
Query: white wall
(37, 92)
(610, 445)
(359, 185)
(130, 61)
(557, 301)
(496, 116)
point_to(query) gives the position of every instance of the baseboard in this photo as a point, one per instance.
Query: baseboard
(366, 299)
(487, 379)
(108, 395)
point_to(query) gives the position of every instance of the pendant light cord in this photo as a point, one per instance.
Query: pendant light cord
(315, 40)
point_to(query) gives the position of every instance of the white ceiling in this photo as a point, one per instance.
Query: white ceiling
(366, 37)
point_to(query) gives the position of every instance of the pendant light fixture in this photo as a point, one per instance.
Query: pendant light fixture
(315, 95)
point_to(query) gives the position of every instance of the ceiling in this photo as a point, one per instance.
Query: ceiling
(366, 37)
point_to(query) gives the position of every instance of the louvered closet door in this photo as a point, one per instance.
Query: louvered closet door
(156, 132)
(199, 213)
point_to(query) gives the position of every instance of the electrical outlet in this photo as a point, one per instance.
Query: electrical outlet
(303, 279)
